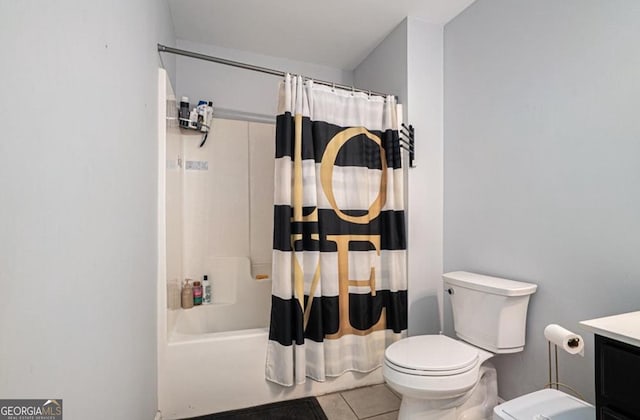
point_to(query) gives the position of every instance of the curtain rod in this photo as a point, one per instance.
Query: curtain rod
(164, 48)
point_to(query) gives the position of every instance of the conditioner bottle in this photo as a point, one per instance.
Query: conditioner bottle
(197, 293)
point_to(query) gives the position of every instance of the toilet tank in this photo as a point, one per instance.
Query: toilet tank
(489, 312)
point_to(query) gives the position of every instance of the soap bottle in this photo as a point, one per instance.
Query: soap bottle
(206, 290)
(187, 295)
(197, 293)
(193, 119)
(208, 116)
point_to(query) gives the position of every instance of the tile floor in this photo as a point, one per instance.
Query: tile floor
(375, 402)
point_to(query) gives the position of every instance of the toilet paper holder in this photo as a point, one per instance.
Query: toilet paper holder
(571, 343)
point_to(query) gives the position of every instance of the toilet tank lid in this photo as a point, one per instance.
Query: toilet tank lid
(488, 284)
(545, 404)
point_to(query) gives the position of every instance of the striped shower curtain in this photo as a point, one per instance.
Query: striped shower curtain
(339, 294)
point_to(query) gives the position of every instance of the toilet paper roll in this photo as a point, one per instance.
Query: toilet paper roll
(570, 342)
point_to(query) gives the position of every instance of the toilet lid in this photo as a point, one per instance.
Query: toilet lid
(432, 353)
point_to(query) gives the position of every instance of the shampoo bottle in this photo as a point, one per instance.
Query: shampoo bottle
(206, 290)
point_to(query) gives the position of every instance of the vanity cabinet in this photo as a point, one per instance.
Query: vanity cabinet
(617, 380)
(617, 366)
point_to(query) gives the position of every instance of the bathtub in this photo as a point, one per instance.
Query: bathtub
(209, 372)
(214, 355)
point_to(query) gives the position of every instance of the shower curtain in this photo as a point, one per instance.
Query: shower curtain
(339, 293)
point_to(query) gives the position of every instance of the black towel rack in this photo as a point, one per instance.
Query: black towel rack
(408, 142)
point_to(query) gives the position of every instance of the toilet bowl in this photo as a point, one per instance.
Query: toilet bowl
(547, 404)
(451, 379)
(441, 378)
(432, 366)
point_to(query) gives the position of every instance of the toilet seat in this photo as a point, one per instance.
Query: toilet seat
(432, 367)
(431, 355)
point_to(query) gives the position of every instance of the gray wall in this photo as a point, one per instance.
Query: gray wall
(385, 68)
(238, 91)
(542, 164)
(78, 208)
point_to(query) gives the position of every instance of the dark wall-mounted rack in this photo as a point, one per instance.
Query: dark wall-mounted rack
(408, 142)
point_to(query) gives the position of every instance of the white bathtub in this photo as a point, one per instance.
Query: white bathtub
(213, 372)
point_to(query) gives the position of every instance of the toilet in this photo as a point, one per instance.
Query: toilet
(443, 378)
(546, 404)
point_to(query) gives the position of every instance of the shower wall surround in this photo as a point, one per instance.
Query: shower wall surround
(228, 200)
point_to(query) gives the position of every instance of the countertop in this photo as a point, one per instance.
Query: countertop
(623, 327)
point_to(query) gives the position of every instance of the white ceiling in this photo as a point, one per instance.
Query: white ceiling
(336, 33)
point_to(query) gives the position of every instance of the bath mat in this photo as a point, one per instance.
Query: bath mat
(303, 409)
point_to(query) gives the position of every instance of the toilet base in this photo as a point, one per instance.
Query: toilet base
(476, 404)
